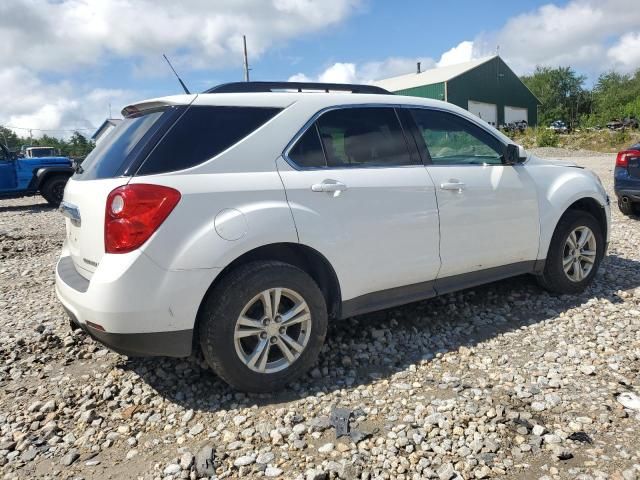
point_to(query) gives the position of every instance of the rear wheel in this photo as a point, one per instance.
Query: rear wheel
(575, 253)
(263, 326)
(53, 189)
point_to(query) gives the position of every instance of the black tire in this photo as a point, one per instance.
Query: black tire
(53, 189)
(628, 208)
(554, 277)
(226, 301)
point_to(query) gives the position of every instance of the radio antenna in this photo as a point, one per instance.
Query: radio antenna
(184, 87)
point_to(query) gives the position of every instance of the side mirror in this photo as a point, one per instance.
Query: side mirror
(514, 154)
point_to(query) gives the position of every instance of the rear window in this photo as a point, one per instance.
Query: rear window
(119, 149)
(43, 152)
(201, 134)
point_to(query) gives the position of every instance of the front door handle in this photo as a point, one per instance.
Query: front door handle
(452, 184)
(328, 186)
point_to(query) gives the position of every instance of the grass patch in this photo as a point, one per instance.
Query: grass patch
(606, 141)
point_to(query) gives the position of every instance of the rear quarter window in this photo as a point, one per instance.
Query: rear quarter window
(202, 133)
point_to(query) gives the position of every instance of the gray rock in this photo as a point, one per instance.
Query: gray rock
(69, 458)
(197, 429)
(205, 461)
(244, 460)
(29, 455)
(172, 469)
(272, 472)
(186, 460)
(316, 474)
(265, 458)
(446, 471)
(538, 430)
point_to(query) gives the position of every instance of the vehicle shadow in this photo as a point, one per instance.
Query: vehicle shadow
(363, 349)
(27, 208)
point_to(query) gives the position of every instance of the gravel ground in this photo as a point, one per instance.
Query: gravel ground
(502, 381)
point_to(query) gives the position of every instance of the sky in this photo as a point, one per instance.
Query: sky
(66, 62)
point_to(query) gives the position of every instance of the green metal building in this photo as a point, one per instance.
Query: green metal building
(487, 88)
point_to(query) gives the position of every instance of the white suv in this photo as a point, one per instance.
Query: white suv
(241, 220)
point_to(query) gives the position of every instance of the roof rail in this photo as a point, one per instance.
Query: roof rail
(255, 87)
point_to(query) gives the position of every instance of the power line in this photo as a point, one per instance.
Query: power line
(48, 129)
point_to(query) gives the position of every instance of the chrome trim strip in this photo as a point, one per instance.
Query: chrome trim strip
(71, 212)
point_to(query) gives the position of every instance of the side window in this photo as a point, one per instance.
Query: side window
(307, 152)
(452, 140)
(202, 133)
(363, 137)
(3, 156)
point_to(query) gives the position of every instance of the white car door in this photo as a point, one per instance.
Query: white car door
(489, 219)
(362, 199)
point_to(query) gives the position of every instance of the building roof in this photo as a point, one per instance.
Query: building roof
(109, 122)
(429, 77)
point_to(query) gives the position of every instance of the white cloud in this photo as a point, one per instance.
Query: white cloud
(367, 72)
(198, 33)
(463, 52)
(575, 34)
(339, 73)
(65, 36)
(578, 34)
(29, 102)
(626, 53)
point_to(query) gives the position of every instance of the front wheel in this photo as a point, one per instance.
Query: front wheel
(53, 189)
(263, 326)
(575, 253)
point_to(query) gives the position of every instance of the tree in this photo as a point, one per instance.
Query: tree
(561, 92)
(9, 138)
(77, 146)
(616, 96)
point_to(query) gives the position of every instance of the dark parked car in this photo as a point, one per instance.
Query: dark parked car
(627, 180)
(559, 126)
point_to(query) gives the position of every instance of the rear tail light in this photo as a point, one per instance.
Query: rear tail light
(622, 160)
(133, 213)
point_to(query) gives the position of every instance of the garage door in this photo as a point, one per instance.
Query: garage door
(515, 114)
(486, 111)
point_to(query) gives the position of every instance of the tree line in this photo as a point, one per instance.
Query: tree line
(563, 94)
(76, 146)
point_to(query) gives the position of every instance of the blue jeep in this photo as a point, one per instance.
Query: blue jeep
(37, 171)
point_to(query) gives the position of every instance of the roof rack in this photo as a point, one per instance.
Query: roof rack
(256, 87)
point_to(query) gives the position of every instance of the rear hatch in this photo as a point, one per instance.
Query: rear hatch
(628, 161)
(110, 165)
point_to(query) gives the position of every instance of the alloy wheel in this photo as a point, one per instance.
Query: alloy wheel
(579, 254)
(272, 330)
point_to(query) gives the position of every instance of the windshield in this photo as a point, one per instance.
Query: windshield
(117, 150)
(42, 152)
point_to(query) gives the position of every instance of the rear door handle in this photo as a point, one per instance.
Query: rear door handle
(452, 185)
(328, 186)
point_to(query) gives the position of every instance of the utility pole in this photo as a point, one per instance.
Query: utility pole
(246, 61)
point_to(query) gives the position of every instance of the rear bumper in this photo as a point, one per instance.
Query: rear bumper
(132, 305)
(150, 344)
(630, 193)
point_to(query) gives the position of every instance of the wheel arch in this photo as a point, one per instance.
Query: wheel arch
(43, 174)
(595, 208)
(588, 204)
(304, 257)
